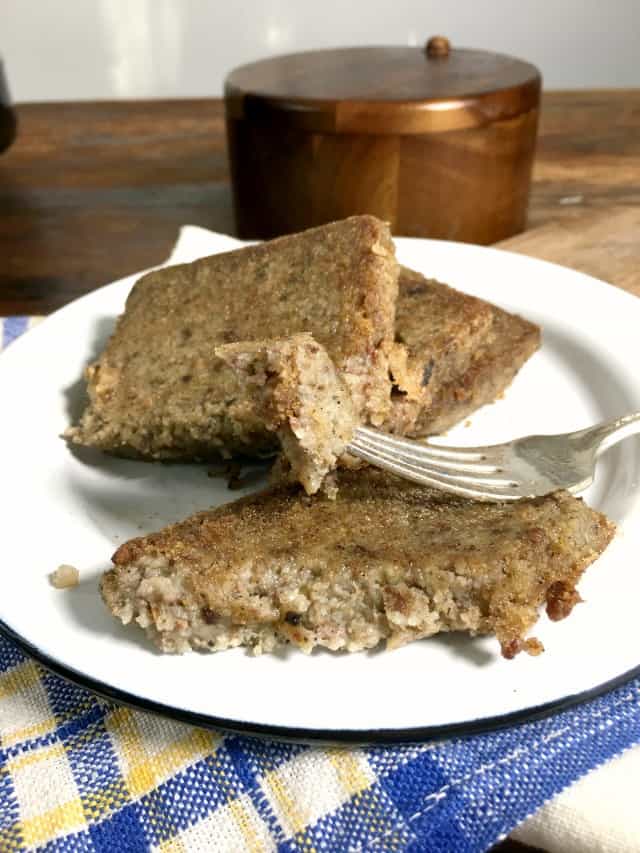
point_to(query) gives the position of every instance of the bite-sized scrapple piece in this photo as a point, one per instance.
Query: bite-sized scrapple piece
(299, 395)
(159, 392)
(386, 560)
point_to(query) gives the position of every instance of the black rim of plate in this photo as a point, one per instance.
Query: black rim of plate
(316, 737)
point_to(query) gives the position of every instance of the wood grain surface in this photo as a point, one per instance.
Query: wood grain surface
(604, 243)
(468, 184)
(90, 192)
(384, 90)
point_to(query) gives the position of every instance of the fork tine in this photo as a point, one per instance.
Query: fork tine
(434, 451)
(473, 477)
(418, 475)
(414, 453)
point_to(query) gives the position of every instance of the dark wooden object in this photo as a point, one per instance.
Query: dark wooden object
(90, 192)
(438, 141)
(7, 115)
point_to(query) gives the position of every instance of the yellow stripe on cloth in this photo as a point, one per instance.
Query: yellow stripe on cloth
(99, 804)
(48, 797)
(194, 745)
(20, 678)
(64, 819)
(229, 829)
(352, 770)
(28, 732)
(286, 803)
(11, 839)
(24, 705)
(148, 761)
(172, 845)
(45, 753)
(139, 776)
(243, 822)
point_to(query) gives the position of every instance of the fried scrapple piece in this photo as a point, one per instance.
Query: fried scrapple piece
(511, 341)
(467, 350)
(438, 330)
(386, 560)
(299, 395)
(158, 392)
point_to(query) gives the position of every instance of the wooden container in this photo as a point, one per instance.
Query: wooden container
(437, 141)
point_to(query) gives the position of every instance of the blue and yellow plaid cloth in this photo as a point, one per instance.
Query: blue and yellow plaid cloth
(81, 774)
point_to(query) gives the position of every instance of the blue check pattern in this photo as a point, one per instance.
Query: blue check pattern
(81, 774)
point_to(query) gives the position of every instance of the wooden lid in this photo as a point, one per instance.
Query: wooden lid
(384, 90)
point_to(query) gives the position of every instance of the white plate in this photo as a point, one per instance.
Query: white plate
(66, 508)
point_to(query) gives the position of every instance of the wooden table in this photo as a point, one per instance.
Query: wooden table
(91, 192)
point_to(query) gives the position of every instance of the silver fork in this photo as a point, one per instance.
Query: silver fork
(524, 468)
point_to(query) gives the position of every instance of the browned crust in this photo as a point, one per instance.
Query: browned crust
(414, 562)
(561, 599)
(158, 392)
(492, 365)
(510, 343)
(438, 330)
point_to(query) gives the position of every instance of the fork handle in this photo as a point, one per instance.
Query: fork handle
(610, 433)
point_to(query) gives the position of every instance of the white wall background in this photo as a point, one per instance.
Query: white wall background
(76, 49)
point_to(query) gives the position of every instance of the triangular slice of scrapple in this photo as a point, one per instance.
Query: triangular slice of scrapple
(438, 329)
(300, 396)
(511, 341)
(387, 560)
(466, 350)
(158, 392)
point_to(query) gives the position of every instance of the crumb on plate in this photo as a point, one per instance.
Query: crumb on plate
(64, 577)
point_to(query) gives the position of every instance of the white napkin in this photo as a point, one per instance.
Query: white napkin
(194, 242)
(599, 813)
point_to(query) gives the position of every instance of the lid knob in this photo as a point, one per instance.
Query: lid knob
(438, 47)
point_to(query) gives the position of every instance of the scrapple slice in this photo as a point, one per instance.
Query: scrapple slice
(468, 351)
(386, 560)
(438, 329)
(511, 342)
(300, 396)
(158, 391)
